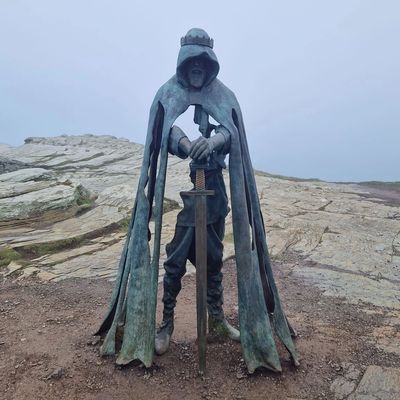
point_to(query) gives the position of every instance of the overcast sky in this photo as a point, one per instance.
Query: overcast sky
(318, 81)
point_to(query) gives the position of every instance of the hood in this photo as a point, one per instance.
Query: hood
(189, 51)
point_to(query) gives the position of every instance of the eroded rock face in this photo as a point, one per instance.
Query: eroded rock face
(7, 165)
(66, 210)
(349, 240)
(34, 199)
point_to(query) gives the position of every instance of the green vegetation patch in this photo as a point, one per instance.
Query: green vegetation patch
(84, 199)
(123, 225)
(217, 328)
(285, 178)
(41, 249)
(169, 205)
(7, 254)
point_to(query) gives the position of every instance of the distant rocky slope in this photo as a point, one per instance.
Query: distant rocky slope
(65, 204)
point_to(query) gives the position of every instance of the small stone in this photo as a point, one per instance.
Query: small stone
(94, 342)
(241, 375)
(46, 276)
(11, 268)
(58, 373)
(350, 371)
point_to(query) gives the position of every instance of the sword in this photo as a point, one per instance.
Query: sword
(200, 200)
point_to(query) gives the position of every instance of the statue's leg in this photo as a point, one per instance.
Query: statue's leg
(175, 268)
(217, 323)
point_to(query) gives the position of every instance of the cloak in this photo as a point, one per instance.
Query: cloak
(134, 297)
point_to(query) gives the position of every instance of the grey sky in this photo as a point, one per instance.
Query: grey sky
(318, 81)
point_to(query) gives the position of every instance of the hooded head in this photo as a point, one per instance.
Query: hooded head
(197, 62)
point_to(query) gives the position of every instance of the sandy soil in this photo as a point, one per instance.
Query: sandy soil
(47, 350)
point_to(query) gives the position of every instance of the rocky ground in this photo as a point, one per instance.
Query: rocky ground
(64, 208)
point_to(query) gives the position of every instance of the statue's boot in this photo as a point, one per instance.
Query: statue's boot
(221, 327)
(163, 336)
(217, 323)
(172, 286)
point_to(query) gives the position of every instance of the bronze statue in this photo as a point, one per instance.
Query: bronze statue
(133, 303)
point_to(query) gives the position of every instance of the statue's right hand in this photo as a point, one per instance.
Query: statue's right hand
(185, 145)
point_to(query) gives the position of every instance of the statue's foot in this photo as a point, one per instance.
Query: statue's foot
(221, 327)
(163, 336)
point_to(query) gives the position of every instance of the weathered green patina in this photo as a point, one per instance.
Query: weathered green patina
(133, 303)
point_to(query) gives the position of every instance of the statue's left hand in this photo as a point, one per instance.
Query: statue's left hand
(201, 148)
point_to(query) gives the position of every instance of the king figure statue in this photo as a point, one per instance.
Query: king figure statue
(132, 313)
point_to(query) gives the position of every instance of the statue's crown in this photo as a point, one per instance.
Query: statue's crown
(197, 36)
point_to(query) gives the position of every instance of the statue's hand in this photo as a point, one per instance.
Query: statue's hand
(185, 145)
(201, 148)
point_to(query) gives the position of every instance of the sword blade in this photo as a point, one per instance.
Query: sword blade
(200, 206)
(201, 277)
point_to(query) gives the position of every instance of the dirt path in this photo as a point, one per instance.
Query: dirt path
(47, 351)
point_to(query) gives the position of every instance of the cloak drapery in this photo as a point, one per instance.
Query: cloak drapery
(134, 297)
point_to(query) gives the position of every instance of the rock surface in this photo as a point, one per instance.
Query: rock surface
(72, 192)
(378, 384)
(344, 385)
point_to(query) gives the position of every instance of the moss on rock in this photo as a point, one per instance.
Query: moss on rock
(7, 254)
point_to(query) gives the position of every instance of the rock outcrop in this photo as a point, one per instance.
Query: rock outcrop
(65, 204)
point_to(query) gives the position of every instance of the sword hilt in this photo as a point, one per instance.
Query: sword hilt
(200, 180)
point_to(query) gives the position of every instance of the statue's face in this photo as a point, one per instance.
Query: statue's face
(196, 70)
